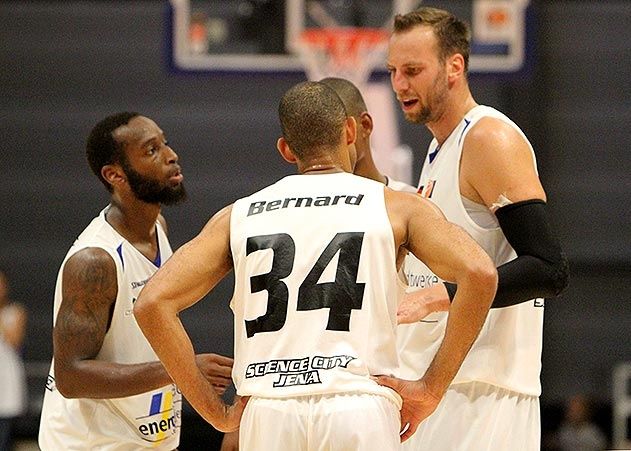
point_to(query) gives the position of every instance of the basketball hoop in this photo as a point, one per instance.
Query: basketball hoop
(345, 52)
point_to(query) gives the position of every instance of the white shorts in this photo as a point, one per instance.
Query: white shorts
(480, 417)
(336, 422)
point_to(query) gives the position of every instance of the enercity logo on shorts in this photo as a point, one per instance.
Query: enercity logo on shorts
(162, 417)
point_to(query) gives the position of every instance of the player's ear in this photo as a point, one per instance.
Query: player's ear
(113, 174)
(455, 66)
(350, 130)
(365, 121)
(285, 151)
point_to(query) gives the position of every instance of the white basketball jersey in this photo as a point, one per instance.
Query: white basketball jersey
(507, 352)
(148, 420)
(399, 186)
(316, 288)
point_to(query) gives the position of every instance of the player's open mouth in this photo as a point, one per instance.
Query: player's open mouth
(409, 103)
(176, 178)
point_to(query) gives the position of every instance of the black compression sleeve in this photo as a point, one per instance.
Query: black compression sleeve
(540, 269)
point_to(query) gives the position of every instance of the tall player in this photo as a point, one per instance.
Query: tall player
(106, 389)
(480, 170)
(315, 259)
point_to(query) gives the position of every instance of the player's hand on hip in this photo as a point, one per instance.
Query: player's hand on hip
(232, 415)
(418, 402)
(416, 305)
(217, 369)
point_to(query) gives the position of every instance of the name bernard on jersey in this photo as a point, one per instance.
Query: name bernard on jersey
(301, 202)
(303, 371)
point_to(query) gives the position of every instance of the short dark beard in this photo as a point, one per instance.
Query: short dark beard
(152, 191)
(433, 110)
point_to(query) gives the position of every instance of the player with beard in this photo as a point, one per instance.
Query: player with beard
(481, 171)
(106, 390)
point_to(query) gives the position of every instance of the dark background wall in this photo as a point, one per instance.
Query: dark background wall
(65, 65)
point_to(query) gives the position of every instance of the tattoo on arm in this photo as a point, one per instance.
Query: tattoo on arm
(89, 295)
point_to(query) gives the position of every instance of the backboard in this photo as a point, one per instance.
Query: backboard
(262, 35)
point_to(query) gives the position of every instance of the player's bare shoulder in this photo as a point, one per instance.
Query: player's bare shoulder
(220, 221)
(492, 138)
(498, 159)
(90, 270)
(89, 284)
(404, 208)
(405, 203)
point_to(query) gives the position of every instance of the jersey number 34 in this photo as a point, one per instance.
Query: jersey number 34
(341, 296)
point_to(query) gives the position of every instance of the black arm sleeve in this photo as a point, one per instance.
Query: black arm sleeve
(540, 269)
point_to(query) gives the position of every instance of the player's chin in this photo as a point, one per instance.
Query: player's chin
(414, 117)
(174, 195)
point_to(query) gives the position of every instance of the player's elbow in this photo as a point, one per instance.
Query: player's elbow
(488, 276)
(66, 390)
(483, 274)
(66, 382)
(560, 276)
(552, 276)
(143, 308)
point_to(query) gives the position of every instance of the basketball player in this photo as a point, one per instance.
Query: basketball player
(105, 389)
(481, 172)
(355, 107)
(315, 259)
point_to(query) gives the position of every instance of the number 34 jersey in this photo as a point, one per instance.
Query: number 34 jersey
(316, 288)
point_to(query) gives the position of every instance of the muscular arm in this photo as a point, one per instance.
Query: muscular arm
(540, 269)
(497, 167)
(89, 294)
(186, 277)
(453, 255)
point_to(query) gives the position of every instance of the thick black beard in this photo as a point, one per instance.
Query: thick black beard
(152, 191)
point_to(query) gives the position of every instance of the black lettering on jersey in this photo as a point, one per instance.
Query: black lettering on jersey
(289, 380)
(277, 293)
(50, 383)
(340, 297)
(263, 206)
(327, 363)
(343, 295)
(259, 369)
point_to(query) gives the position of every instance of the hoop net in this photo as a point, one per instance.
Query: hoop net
(346, 52)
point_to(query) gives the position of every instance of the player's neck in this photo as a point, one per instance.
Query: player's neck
(326, 164)
(133, 219)
(455, 111)
(366, 168)
(321, 169)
